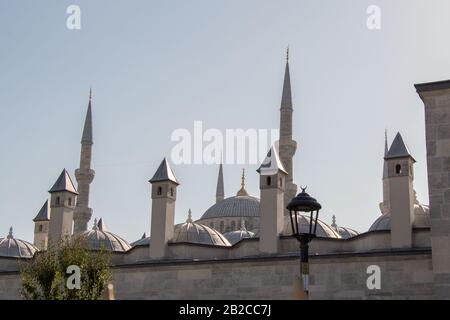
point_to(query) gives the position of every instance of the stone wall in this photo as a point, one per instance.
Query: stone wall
(436, 97)
(404, 275)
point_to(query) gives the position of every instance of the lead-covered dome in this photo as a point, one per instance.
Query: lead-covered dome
(100, 238)
(421, 218)
(241, 205)
(237, 235)
(238, 206)
(198, 233)
(323, 230)
(16, 248)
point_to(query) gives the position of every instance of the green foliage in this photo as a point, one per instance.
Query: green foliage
(45, 277)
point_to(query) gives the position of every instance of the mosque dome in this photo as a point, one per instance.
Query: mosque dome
(143, 241)
(193, 232)
(237, 235)
(99, 237)
(323, 230)
(241, 205)
(238, 206)
(344, 232)
(16, 248)
(421, 218)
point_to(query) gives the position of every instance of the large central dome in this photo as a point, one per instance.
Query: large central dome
(238, 206)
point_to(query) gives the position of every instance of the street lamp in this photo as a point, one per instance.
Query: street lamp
(303, 202)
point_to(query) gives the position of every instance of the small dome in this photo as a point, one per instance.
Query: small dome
(99, 238)
(198, 233)
(322, 230)
(421, 219)
(143, 241)
(237, 235)
(11, 247)
(344, 232)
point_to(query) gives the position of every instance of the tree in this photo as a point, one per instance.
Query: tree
(53, 274)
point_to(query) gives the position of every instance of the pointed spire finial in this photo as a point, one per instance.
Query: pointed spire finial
(333, 224)
(385, 142)
(242, 191)
(10, 234)
(287, 54)
(189, 219)
(95, 226)
(90, 93)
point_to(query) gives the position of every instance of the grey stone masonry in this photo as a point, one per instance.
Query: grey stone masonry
(436, 98)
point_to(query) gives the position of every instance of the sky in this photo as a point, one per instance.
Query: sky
(158, 66)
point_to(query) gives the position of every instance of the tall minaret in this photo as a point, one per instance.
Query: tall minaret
(384, 206)
(287, 146)
(220, 193)
(84, 175)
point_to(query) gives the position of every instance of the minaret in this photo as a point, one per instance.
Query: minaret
(271, 184)
(41, 226)
(400, 177)
(63, 197)
(287, 146)
(84, 175)
(220, 193)
(164, 195)
(384, 206)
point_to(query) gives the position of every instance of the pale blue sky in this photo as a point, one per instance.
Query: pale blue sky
(156, 66)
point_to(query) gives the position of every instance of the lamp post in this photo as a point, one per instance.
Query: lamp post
(303, 202)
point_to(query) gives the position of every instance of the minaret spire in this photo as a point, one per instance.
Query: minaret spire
(220, 193)
(287, 146)
(84, 174)
(384, 206)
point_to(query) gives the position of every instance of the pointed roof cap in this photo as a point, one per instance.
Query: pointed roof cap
(164, 173)
(87, 130)
(43, 214)
(271, 164)
(64, 183)
(398, 149)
